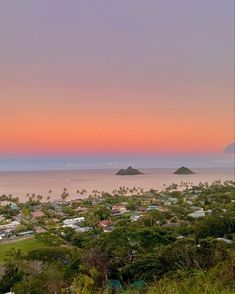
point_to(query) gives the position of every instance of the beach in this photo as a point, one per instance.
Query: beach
(52, 183)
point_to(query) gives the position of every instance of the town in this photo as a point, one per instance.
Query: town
(103, 211)
(179, 212)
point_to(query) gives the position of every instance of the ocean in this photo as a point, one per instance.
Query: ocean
(21, 183)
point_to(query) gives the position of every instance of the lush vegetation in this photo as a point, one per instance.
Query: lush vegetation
(165, 250)
(25, 246)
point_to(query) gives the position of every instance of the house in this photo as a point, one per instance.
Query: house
(56, 206)
(197, 213)
(77, 228)
(155, 207)
(106, 223)
(12, 224)
(152, 207)
(37, 214)
(82, 229)
(26, 233)
(118, 209)
(167, 203)
(36, 207)
(73, 221)
(81, 209)
(2, 236)
(135, 217)
(173, 200)
(59, 214)
(116, 212)
(40, 230)
(18, 217)
(121, 208)
(14, 206)
(9, 227)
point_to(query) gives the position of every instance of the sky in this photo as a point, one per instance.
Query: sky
(116, 78)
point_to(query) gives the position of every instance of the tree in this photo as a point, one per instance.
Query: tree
(15, 261)
(96, 259)
(16, 268)
(64, 195)
(85, 281)
(102, 213)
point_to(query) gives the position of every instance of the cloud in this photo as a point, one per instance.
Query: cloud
(230, 148)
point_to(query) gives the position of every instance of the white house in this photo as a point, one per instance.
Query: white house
(73, 221)
(197, 213)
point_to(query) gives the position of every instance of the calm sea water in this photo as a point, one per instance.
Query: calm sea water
(41, 182)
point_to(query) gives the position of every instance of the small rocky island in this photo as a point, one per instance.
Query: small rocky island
(183, 171)
(128, 172)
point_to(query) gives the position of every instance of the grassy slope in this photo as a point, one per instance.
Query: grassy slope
(24, 245)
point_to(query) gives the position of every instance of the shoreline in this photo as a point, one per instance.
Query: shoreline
(52, 183)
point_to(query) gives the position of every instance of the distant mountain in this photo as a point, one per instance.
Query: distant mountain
(230, 148)
(128, 172)
(183, 171)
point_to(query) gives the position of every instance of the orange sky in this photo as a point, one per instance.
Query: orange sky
(107, 80)
(100, 125)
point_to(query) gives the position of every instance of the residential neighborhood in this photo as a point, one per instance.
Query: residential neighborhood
(103, 211)
(108, 239)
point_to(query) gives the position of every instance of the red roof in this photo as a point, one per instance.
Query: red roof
(105, 223)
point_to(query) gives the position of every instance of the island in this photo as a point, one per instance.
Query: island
(184, 171)
(128, 172)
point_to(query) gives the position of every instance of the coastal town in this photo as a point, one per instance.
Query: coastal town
(100, 242)
(103, 211)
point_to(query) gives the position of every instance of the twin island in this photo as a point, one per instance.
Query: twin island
(130, 171)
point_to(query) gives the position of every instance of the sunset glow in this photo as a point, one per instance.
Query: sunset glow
(71, 84)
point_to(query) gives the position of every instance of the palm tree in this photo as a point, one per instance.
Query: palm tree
(15, 262)
(64, 195)
(84, 191)
(39, 198)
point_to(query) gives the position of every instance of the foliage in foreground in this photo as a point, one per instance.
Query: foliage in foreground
(139, 257)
